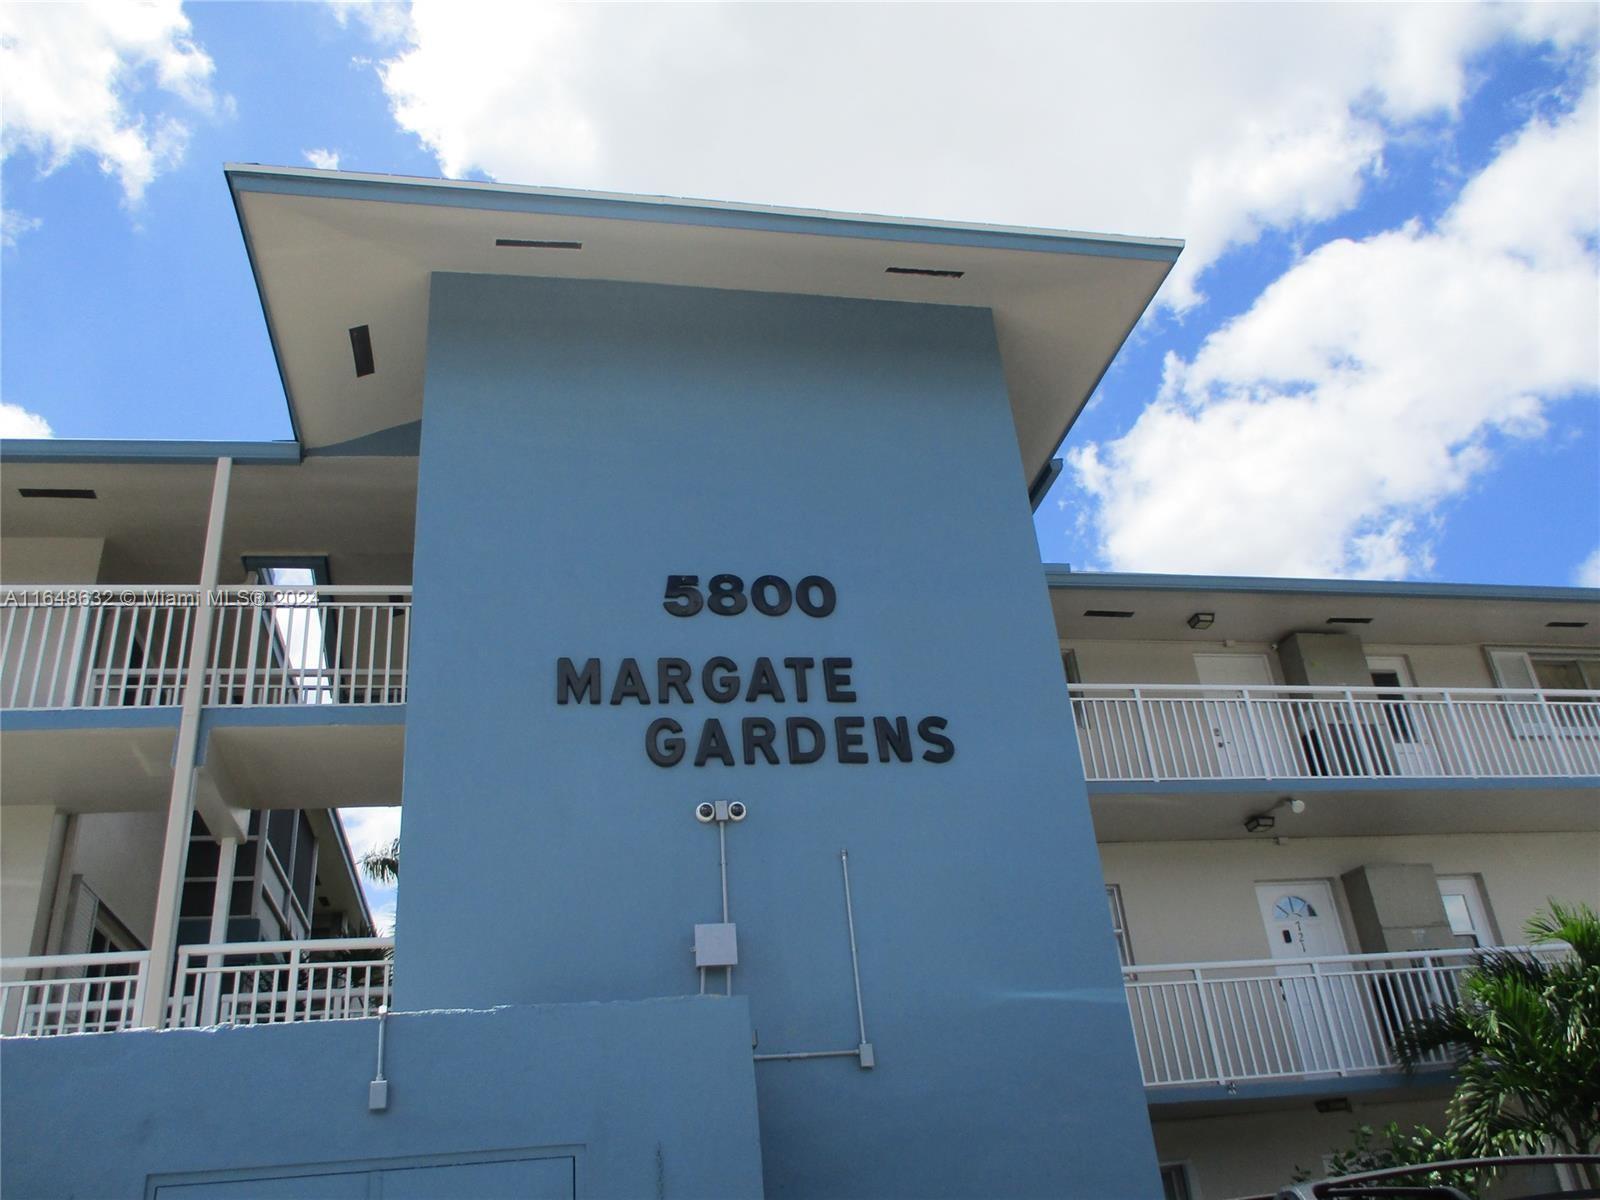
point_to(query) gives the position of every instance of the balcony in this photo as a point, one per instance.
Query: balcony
(1264, 1020)
(1163, 734)
(235, 983)
(92, 647)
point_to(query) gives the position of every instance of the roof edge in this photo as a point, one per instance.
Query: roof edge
(462, 193)
(97, 450)
(1058, 575)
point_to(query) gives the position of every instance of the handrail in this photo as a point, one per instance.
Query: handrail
(1458, 952)
(1171, 731)
(317, 945)
(1222, 691)
(72, 646)
(1227, 1022)
(55, 962)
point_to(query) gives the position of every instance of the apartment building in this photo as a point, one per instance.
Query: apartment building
(1314, 800)
(611, 544)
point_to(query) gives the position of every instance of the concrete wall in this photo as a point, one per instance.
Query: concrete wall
(25, 835)
(651, 1099)
(119, 857)
(1441, 666)
(1107, 660)
(50, 560)
(582, 441)
(1196, 901)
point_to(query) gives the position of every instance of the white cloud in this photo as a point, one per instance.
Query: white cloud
(13, 225)
(323, 160)
(112, 80)
(370, 828)
(1588, 571)
(1212, 123)
(18, 422)
(1319, 433)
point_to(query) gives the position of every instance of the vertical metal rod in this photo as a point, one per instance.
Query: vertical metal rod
(855, 963)
(722, 862)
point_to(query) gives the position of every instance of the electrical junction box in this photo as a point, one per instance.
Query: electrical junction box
(716, 945)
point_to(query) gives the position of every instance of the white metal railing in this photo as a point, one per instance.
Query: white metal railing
(262, 983)
(1174, 732)
(67, 646)
(52, 994)
(325, 645)
(1263, 1019)
(64, 646)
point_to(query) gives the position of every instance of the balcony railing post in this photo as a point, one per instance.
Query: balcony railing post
(1144, 734)
(292, 989)
(1255, 732)
(1210, 1023)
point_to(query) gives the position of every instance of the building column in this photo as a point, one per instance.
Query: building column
(180, 802)
(227, 854)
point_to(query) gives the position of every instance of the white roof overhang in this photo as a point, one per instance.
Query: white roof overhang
(334, 250)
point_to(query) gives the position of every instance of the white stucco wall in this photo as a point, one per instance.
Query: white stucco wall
(24, 855)
(1196, 901)
(119, 857)
(50, 560)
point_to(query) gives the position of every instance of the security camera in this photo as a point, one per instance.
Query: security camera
(705, 813)
(737, 811)
(1297, 805)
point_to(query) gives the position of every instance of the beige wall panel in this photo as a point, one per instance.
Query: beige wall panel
(24, 854)
(119, 857)
(26, 560)
(1442, 666)
(1196, 901)
(1107, 661)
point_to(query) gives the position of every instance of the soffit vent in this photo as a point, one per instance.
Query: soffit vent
(537, 244)
(57, 493)
(930, 272)
(361, 350)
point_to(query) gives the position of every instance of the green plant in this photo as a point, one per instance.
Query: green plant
(382, 865)
(1399, 1147)
(1526, 1032)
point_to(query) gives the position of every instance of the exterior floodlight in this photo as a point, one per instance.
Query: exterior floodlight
(1202, 620)
(1256, 822)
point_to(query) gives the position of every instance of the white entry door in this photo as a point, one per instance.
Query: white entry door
(1232, 741)
(1406, 724)
(1302, 923)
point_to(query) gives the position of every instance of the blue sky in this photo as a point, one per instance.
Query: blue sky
(1378, 355)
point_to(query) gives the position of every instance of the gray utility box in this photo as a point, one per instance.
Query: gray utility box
(1324, 660)
(1396, 908)
(716, 945)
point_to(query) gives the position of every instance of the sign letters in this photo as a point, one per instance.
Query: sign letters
(851, 738)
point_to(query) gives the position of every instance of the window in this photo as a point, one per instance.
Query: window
(1119, 924)
(1175, 1182)
(1293, 906)
(1464, 906)
(1566, 674)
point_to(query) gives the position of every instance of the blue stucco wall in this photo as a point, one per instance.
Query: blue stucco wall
(649, 1099)
(582, 441)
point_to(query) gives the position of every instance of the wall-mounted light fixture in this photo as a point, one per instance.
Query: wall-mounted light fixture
(1202, 620)
(1262, 821)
